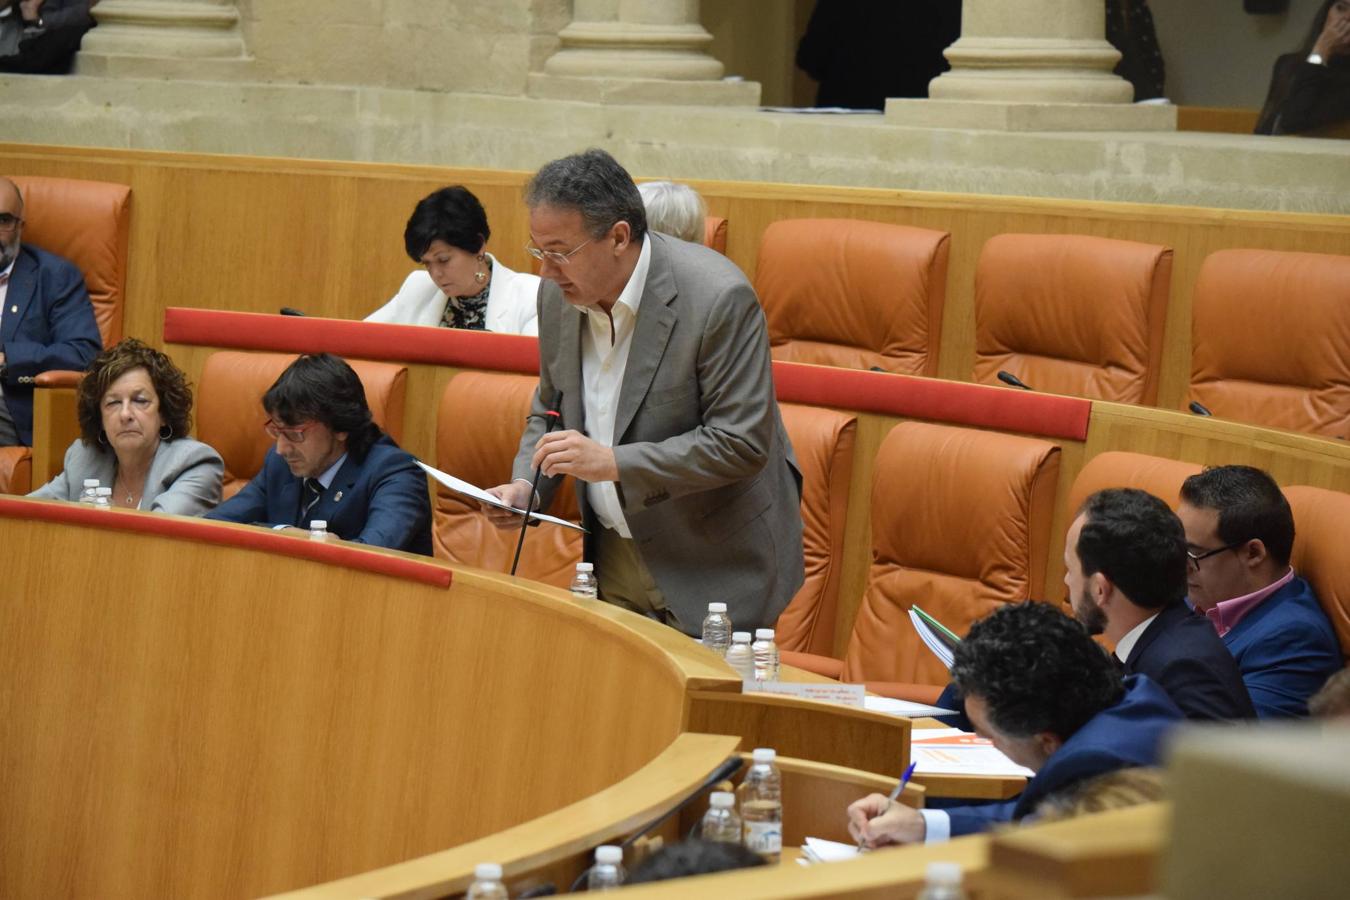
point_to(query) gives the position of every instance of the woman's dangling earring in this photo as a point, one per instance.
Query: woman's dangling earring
(162, 429)
(481, 275)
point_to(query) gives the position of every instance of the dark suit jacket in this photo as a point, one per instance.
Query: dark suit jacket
(381, 500)
(1119, 737)
(707, 480)
(1183, 654)
(47, 323)
(1286, 650)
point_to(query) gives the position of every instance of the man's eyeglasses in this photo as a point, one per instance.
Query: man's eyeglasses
(553, 256)
(9, 222)
(1194, 558)
(293, 433)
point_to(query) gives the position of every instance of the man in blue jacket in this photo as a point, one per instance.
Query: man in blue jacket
(332, 462)
(46, 320)
(1050, 699)
(1240, 535)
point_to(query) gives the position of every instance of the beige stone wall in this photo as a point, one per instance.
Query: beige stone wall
(482, 46)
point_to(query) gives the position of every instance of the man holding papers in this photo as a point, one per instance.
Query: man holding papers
(1051, 700)
(655, 354)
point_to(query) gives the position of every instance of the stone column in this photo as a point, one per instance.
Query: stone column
(150, 35)
(638, 51)
(1032, 65)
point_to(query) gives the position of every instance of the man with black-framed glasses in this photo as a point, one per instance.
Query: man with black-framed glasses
(1240, 536)
(331, 462)
(46, 319)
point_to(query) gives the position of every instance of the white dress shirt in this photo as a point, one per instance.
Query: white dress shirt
(1130, 638)
(604, 358)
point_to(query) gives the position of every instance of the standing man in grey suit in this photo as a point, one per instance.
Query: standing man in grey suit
(655, 354)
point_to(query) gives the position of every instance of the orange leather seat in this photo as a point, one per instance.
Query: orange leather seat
(854, 294)
(1269, 336)
(1321, 518)
(960, 524)
(1070, 314)
(823, 442)
(230, 415)
(1159, 476)
(497, 405)
(715, 233)
(88, 223)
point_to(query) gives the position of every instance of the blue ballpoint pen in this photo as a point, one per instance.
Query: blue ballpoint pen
(900, 786)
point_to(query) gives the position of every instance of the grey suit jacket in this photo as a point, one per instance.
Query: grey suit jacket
(184, 478)
(707, 479)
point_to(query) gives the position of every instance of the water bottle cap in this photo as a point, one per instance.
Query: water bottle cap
(91, 482)
(946, 873)
(318, 525)
(585, 567)
(487, 872)
(717, 607)
(722, 800)
(609, 855)
(763, 634)
(764, 755)
(740, 637)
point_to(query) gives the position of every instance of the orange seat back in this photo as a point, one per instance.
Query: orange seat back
(230, 414)
(854, 294)
(1071, 314)
(715, 233)
(1159, 476)
(1321, 518)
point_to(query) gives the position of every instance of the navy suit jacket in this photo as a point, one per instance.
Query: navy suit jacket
(381, 500)
(1119, 737)
(1183, 654)
(1286, 650)
(47, 323)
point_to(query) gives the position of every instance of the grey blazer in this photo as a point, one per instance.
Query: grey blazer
(707, 478)
(184, 478)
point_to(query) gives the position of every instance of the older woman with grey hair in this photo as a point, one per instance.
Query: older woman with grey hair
(674, 209)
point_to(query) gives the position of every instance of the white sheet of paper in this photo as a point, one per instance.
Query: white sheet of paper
(949, 751)
(473, 492)
(843, 694)
(906, 708)
(821, 850)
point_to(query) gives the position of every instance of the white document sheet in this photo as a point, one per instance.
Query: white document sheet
(950, 751)
(906, 708)
(819, 850)
(474, 492)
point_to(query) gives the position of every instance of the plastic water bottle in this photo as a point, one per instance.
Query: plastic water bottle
(90, 493)
(942, 882)
(487, 883)
(103, 498)
(318, 530)
(717, 628)
(766, 655)
(584, 583)
(720, 822)
(761, 795)
(740, 657)
(607, 874)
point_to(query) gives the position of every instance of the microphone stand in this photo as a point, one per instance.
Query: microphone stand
(553, 417)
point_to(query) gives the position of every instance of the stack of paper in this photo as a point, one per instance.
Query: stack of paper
(951, 751)
(936, 636)
(819, 850)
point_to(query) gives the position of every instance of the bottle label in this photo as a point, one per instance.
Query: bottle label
(765, 838)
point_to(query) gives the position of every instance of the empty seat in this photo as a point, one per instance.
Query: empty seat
(823, 442)
(496, 405)
(230, 415)
(1269, 336)
(854, 294)
(1072, 314)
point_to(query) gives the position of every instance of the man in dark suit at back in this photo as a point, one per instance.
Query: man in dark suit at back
(46, 320)
(1125, 568)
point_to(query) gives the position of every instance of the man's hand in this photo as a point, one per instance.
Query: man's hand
(572, 453)
(875, 821)
(516, 494)
(29, 9)
(1334, 40)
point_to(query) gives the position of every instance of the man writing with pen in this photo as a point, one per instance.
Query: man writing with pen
(1047, 696)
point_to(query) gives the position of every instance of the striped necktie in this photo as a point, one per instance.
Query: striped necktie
(313, 491)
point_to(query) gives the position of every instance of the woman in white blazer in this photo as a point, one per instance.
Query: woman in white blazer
(134, 407)
(461, 286)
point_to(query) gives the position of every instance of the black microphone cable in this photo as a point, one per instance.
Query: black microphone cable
(553, 417)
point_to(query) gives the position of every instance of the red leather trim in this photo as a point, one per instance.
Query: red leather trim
(955, 402)
(347, 555)
(358, 340)
(58, 378)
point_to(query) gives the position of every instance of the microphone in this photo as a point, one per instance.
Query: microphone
(1009, 378)
(551, 417)
(730, 766)
(1199, 408)
(290, 311)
